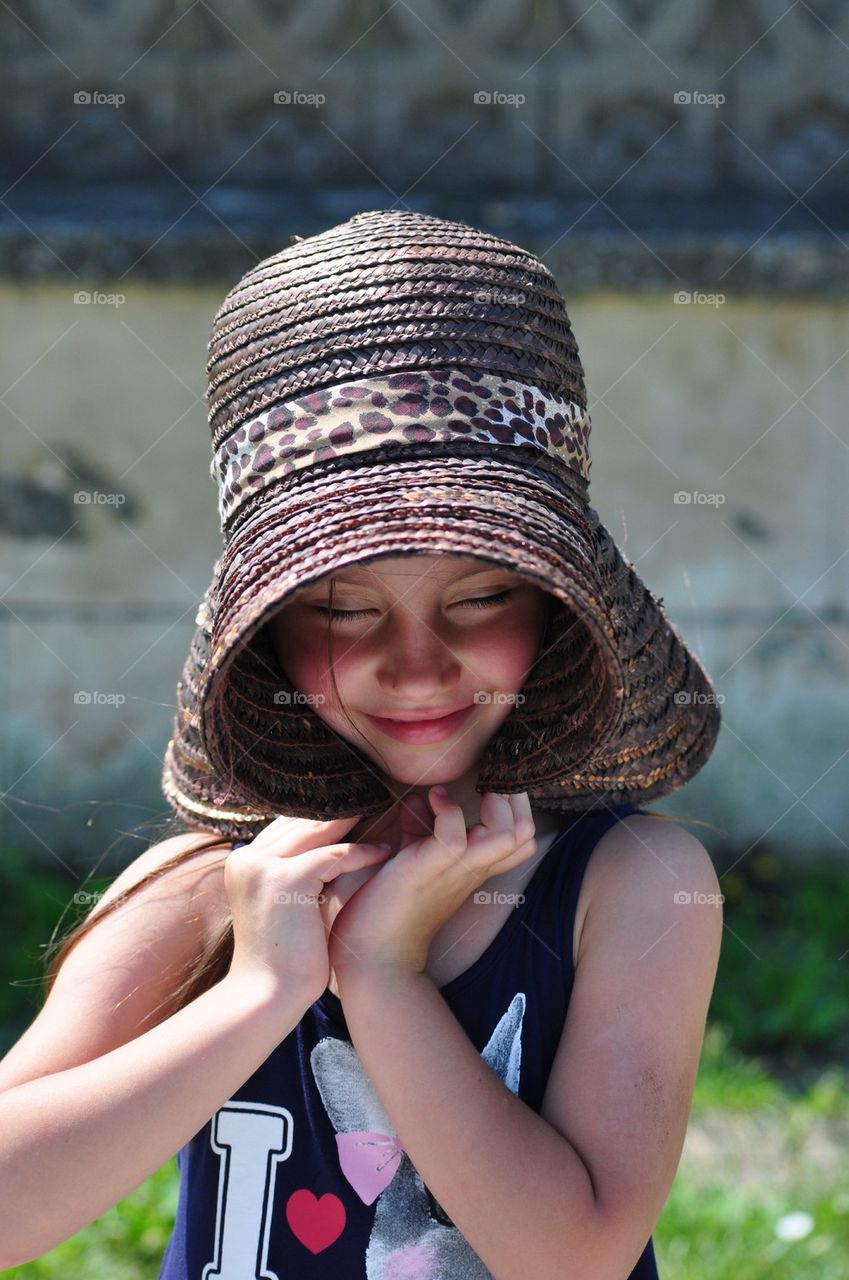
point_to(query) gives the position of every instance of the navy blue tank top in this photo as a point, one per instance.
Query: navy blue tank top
(297, 1176)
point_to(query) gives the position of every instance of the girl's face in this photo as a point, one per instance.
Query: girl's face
(416, 636)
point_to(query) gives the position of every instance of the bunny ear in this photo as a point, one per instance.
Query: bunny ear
(503, 1052)
(346, 1091)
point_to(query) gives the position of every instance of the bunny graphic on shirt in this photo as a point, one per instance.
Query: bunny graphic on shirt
(411, 1234)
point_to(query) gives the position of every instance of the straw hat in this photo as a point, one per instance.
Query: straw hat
(397, 384)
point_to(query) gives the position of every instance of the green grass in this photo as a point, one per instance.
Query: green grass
(781, 986)
(719, 1233)
(733, 1081)
(126, 1243)
(722, 1214)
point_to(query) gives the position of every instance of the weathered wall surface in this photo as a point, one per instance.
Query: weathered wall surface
(738, 407)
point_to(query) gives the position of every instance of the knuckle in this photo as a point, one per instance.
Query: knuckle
(451, 852)
(502, 843)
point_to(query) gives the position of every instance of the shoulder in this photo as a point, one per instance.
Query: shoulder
(647, 868)
(116, 979)
(655, 846)
(197, 876)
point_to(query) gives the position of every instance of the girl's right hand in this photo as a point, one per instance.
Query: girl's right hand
(275, 886)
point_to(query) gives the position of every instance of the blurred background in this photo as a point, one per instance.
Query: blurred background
(683, 170)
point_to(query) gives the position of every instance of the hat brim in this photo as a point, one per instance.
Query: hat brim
(633, 718)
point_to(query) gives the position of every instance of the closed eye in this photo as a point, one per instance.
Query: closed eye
(481, 602)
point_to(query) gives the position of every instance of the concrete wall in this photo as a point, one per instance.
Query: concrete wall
(744, 400)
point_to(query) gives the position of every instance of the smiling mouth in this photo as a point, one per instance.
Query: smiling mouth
(415, 718)
(422, 731)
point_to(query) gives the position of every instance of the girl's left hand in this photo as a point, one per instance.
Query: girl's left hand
(391, 919)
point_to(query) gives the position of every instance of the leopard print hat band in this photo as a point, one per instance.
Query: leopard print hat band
(425, 406)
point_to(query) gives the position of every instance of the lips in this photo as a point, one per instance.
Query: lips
(435, 729)
(419, 717)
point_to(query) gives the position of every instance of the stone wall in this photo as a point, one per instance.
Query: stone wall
(558, 97)
(740, 406)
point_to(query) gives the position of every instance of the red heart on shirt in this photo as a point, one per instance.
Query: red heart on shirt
(316, 1223)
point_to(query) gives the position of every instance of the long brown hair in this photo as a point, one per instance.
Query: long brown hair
(214, 959)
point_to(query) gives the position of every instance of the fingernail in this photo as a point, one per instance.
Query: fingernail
(384, 846)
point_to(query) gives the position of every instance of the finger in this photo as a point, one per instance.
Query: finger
(415, 817)
(525, 829)
(523, 818)
(288, 835)
(333, 860)
(495, 834)
(496, 814)
(449, 825)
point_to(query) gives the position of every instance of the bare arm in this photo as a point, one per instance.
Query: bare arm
(94, 1098)
(76, 1142)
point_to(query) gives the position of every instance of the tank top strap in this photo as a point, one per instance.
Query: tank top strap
(583, 835)
(569, 861)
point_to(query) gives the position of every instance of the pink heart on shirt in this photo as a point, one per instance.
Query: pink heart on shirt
(316, 1223)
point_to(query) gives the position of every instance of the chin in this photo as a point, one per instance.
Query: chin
(417, 773)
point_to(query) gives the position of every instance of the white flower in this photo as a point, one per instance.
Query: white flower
(794, 1226)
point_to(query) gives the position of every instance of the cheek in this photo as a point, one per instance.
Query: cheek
(518, 646)
(301, 648)
(505, 656)
(520, 651)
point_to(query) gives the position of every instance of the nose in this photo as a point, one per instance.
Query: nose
(415, 657)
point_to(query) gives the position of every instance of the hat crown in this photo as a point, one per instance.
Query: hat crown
(391, 329)
(386, 291)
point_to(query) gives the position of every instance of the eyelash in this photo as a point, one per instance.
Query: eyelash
(480, 602)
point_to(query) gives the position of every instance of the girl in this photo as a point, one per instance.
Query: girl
(424, 693)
